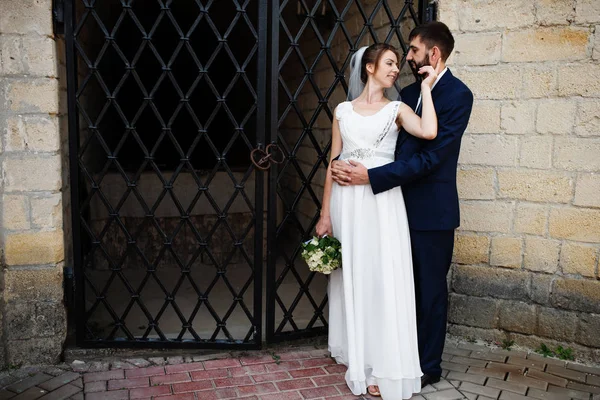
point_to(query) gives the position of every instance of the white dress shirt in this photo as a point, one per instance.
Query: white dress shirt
(434, 83)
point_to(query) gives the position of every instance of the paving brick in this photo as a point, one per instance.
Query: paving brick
(504, 385)
(583, 388)
(547, 360)
(192, 386)
(343, 389)
(5, 395)
(510, 353)
(183, 396)
(246, 370)
(223, 363)
(335, 369)
(466, 377)
(542, 376)
(274, 376)
(128, 383)
(489, 356)
(470, 396)
(442, 384)
(329, 380)
(237, 381)
(282, 396)
(213, 373)
(174, 369)
(303, 373)
(223, 393)
(487, 372)
(469, 361)
(295, 384)
(261, 388)
(470, 346)
(593, 380)
(294, 355)
(98, 386)
(316, 362)
(59, 381)
(265, 359)
(78, 383)
(450, 366)
(532, 383)
(451, 394)
(149, 371)
(104, 376)
(512, 396)
(169, 379)
(64, 392)
(78, 396)
(30, 394)
(114, 395)
(531, 364)
(446, 357)
(284, 366)
(584, 368)
(457, 352)
(319, 392)
(148, 392)
(570, 393)
(480, 390)
(26, 383)
(566, 373)
(543, 395)
(506, 368)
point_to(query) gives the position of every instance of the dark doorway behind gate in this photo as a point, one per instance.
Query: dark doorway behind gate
(173, 225)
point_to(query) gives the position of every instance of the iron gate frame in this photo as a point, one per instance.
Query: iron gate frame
(78, 288)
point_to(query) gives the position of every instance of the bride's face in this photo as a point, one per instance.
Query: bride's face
(387, 70)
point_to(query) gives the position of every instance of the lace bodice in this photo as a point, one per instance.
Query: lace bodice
(369, 139)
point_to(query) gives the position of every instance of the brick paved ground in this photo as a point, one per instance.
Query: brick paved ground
(473, 372)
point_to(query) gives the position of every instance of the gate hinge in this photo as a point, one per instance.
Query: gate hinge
(58, 16)
(69, 286)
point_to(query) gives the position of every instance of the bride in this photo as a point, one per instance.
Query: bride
(372, 315)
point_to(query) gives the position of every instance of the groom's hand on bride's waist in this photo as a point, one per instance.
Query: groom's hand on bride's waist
(346, 174)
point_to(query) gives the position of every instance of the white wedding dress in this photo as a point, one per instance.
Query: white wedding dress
(372, 317)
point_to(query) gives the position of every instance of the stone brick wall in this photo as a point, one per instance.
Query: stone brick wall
(32, 318)
(528, 247)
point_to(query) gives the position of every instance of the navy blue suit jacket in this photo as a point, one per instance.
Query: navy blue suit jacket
(426, 169)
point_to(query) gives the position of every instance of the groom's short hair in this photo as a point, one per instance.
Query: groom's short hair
(435, 34)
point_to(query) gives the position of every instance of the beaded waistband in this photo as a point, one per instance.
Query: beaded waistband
(361, 154)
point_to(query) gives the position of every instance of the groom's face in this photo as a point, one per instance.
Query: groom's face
(418, 54)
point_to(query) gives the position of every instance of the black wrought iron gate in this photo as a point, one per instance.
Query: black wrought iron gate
(168, 101)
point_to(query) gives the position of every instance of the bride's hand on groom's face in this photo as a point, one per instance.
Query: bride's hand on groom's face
(349, 174)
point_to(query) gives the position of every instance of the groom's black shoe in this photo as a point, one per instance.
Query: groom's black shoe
(428, 380)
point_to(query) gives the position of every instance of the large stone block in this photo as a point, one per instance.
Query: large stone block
(33, 173)
(571, 84)
(516, 316)
(485, 117)
(556, 116)
(472, 311)
(34, 284)
(506, 252)
(554, 12)
(587, 190)
(531, 218)
(34, 248)
(471, 249)
(492, 82)
(589, 326)
(577, 154)
(577, 258)
(47, 212)
(539, 80)
(485, 15)
(11, 62)
(541, 254)
(31, 95)
(588, 116)
(576, 224)
(543, 186)
(536, 152)
(33, 132)
(577, 294)
(596, 50)
(491, 282)
(39, 56)
(476, 183)
(15, 212)
(448, 13)
(491, 150)
(587, 11)
(26, 16)
(34, 320)
(546, 44)
(477, 48)
(34, 351)
(541, 286)
(518, 116)
(557, 324)
(486, 216)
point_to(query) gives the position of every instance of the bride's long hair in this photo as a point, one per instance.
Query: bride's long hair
(358, 68)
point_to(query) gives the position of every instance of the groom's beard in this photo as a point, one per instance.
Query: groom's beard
(417, 65)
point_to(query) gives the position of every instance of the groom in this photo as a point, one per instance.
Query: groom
(426, 171)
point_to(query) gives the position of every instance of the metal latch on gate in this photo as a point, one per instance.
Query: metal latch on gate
(263, 159)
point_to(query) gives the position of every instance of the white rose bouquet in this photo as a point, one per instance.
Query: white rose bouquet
(323, 255)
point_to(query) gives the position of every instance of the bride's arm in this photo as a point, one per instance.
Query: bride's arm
(324, 224)
(424, 127)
